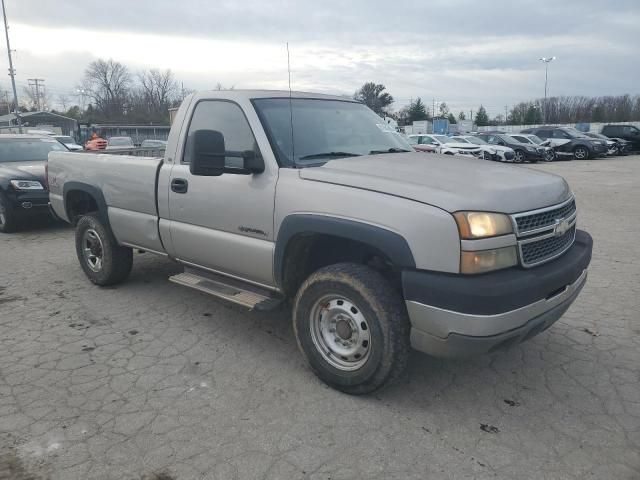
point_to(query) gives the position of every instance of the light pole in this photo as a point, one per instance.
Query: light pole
(547, 61)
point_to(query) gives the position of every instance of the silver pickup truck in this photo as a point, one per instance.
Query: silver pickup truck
(267, 196)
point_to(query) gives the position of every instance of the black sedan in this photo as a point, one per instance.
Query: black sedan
(23, 189)
(524, 152)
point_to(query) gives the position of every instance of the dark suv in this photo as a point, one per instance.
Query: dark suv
(524, 152)
(569, 142)
(629, 133)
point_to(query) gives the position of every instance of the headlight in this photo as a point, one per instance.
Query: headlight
(26, 185)
(474, 225)
(487, 260)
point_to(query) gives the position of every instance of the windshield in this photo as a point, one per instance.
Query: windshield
(120, 142)
(28, 150)
(461, 140)
(443, 138)
(324, 129)
(476, 140)
(64, 139)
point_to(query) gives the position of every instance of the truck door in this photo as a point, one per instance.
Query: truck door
(223, 223)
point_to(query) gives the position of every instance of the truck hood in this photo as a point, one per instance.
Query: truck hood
(449, 182)
(23, 171)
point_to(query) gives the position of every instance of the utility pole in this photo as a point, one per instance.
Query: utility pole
(37, 83)
(433, 115)
(12, 72)
(471, 115)
(506, 115)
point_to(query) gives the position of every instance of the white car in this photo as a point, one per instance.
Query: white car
(489, 152)
(449, 146)
(536, 141)
(68, 142)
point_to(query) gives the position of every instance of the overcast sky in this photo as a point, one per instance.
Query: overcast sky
(464, 52)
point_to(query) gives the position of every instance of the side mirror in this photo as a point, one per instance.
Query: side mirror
(207, 153)
(252, 163)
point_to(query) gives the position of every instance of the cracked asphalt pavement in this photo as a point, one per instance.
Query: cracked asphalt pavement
(150, 380)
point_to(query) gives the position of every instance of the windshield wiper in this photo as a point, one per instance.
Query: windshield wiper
(390, 150)
(329, 154)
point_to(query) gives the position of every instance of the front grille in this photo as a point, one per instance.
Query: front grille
(547, 218)
(539, 251)
(509, 155)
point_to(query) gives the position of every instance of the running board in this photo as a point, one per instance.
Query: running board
(241, 293)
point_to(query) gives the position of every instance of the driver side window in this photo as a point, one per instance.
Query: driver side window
(228, 119)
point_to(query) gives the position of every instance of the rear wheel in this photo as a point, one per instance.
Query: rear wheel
(7, 216)
(102, 259)
(487, 156)
(520, 156)
(581, 153)
(352, 328)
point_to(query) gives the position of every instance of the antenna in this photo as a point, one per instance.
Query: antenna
(290, 105)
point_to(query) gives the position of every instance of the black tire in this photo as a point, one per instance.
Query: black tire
(581, 153)
(115, 261)
(520, 156)
(8, 223)
(549, 156)
(385, 318)
(487, 156)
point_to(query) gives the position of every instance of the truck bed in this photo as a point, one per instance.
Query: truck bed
(127, 183)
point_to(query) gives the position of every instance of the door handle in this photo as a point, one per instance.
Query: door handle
(179, 185)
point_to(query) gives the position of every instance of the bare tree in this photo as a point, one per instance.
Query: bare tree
(63, 100)
(106, 83)
(158, 89)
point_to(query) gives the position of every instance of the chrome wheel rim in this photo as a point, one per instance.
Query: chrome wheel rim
(549, 156)
(340, 332)
(580, 153)
(92, 249)
(519, 158)
(3, 216)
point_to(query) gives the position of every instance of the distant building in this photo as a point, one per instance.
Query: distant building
(46, 121)
(138, 133)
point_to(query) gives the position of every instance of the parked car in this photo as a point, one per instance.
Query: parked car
(630, 133)
(68, 142)
(149, 143)
(524, 152)
(489, 152)
(448, 146)
(422, 143)
(121, 143)
(267, 196)
(569, 142)
(612, 145)
(535, 141)
(23, 189)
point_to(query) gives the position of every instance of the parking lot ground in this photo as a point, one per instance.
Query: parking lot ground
(151, 380)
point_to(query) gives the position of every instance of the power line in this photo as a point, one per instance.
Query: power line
(37, 83)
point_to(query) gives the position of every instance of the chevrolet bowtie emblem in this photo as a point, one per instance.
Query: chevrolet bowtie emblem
(562, 227)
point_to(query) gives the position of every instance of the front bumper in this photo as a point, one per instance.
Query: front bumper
(25, 202)
(459, 315)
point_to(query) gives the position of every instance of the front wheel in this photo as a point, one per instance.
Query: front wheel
(581, 153)
(102, 259)
(549, 156)
(352, 327)
(7, 217)
(520, 156)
